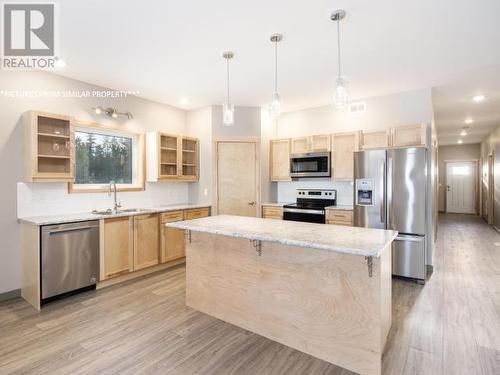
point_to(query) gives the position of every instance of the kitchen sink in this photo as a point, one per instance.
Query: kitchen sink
(109, 211)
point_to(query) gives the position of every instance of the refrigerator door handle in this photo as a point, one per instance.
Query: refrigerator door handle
(384, 202)
(388, 190)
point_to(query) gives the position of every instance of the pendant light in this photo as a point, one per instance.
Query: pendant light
(276, 99)
(341, 94)
(228, 108)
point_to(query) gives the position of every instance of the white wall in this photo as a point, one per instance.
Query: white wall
(199, 124)
(42, 198)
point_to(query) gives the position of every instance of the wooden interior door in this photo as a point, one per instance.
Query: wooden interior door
(237, 178)
(461, 187)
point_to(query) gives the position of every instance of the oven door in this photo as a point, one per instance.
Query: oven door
(305, 215)
(314, 164)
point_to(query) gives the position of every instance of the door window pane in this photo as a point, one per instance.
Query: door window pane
(460, 171)
(102, 158)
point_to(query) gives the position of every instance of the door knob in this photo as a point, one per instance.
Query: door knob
(251, 203)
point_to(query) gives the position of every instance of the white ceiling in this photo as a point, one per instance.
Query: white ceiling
(168, 50)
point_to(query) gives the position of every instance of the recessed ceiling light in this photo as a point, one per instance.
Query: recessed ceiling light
(469, 120)
(460, 141)
(183, 101)
(463, 133)
(478, 98)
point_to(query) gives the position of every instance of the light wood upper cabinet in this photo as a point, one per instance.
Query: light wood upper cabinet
(279, 160)
(315, 143)
(320, 143)
(117, 244)
(49, 143)
(411, 135)
(300, 145)
(374, 139)
(172, 240)
(146, 241)
(171, 157)
(344, 145)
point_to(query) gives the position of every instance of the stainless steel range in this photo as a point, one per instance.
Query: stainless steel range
(310, 205)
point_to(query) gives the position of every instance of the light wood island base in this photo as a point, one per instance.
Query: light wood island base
(321, 302)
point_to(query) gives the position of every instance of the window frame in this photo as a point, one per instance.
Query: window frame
(138, 158)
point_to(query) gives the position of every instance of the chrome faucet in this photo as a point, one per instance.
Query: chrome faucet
(112, 188)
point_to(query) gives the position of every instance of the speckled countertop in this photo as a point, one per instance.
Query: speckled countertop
(342, 239)
(275, 204)
(85, 216)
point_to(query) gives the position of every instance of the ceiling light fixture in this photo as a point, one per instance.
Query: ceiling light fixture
(478, 98)
(463, 133)
(183, 101)
(460, 141)
(276, 99)
(111, 112)
(341, 94)
(228, 108)
(469, 120)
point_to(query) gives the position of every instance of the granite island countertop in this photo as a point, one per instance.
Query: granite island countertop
(86, 216)
(342, 239)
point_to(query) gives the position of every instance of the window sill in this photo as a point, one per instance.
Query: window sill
(102, 188)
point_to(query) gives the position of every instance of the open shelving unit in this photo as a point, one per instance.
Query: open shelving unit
(49, 147)
(171, 157)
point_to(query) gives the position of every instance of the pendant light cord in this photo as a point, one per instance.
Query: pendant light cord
(227, 65)
(276, 66)
(338, 42)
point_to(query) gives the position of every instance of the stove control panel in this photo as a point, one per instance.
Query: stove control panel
(317, 193)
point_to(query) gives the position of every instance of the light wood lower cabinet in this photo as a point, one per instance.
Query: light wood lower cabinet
(339, 217)
(117, 243)
(196, 213)
(146, 241)
(134, 243)
(173, 244)
(272, 212)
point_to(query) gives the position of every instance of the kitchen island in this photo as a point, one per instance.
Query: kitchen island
(322, 289)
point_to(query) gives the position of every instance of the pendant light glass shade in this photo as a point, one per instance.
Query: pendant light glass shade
(276, 105)
(341, 94)
(228, 114)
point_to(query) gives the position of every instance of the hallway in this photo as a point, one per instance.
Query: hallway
(449, 326)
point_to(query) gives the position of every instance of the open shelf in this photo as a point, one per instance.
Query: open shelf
(54, 156)
(53, 135)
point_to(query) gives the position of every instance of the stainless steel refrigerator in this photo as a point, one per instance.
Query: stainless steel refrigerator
(390, 193)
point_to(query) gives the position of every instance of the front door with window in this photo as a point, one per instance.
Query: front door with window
(461, 187)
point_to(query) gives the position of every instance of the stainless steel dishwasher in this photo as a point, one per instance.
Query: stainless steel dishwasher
(69, 258)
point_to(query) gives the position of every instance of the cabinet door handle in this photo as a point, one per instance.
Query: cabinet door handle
(251, 203)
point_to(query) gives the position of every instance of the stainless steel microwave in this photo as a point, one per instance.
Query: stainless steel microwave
(310, 164)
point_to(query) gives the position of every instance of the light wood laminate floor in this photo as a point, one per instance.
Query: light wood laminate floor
(449, 326)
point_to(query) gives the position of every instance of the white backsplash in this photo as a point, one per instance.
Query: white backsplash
(286, 190)
(35, 199)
